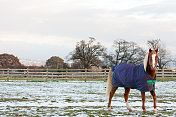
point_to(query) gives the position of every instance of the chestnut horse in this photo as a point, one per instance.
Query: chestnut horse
(150, 62)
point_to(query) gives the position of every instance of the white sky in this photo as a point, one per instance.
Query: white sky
(39, 29)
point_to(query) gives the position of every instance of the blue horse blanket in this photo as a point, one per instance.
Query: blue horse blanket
(130, 76)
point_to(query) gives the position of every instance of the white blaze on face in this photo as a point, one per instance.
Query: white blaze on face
(153, 60)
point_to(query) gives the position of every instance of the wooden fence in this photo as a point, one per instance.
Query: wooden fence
(68, 74)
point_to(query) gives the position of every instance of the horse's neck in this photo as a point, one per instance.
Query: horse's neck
(152, 73)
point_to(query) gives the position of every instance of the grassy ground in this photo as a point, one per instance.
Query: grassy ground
(53, 80)
(77, 98)
(66, 80)
(167, 79)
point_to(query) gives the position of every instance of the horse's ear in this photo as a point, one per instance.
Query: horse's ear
(150, 50)
(156, 50)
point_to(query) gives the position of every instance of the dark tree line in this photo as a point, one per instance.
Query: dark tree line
(92, 53)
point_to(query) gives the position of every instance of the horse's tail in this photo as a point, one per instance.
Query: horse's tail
(109, 84)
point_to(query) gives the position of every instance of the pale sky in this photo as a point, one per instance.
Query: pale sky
(39, 29)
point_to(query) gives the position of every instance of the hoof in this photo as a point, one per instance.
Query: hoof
(130, 110)
(155, 111)
(109, 109)
(144, 111)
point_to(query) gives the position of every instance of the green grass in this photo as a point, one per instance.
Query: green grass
(52, 80)
(72, 79)
(166, 79)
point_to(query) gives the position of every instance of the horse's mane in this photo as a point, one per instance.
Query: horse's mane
(145, 61)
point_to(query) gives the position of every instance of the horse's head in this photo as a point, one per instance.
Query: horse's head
(152, 59)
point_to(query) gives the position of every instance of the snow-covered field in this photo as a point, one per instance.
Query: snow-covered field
(78, 98)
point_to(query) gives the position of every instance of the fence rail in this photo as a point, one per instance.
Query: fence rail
(68, 74)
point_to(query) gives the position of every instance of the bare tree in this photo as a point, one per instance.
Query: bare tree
(164, 58)
(154, 44)
(87, 54)
(125, 52)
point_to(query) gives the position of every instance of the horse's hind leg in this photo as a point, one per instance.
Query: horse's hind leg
(110, 97)
(127, 91)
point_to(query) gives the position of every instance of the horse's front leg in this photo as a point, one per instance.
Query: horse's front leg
(154, 100)
(143, 102)
(110, 97)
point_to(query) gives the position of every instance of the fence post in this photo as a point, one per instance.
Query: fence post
(27, 74)
(82, 74)
(162, 75)
(85, 75)
(105, 75)
(52, 76)
(72, 74)
(92, 73)
(62, 74)
(8, 74)
(3, 72)
(47, 75)
(66, 80)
